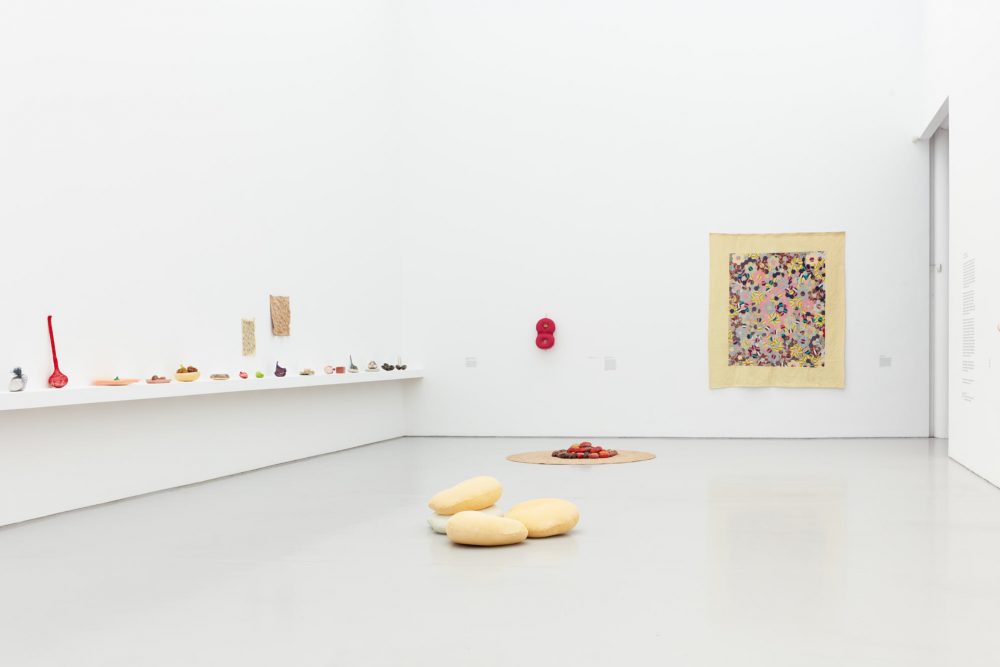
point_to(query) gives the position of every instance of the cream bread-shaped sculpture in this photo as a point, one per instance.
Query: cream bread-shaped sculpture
(483, 530)
(545, 517)
(437, 522)
(473, 494)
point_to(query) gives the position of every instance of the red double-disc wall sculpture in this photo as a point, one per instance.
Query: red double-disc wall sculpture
(545, 329)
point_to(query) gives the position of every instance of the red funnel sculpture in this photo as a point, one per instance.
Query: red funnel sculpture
(57, 380)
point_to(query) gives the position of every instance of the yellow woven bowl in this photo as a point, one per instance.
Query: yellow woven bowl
(187, 377)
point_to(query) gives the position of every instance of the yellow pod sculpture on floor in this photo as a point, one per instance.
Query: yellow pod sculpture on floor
(483, 530)
(439, 522)
(477, 493)
(545, 517)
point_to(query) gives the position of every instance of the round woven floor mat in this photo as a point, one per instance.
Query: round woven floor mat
(546, 458)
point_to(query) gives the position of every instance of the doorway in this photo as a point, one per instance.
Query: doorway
(939, 267)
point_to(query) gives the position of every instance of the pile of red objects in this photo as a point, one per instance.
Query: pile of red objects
(585, 450)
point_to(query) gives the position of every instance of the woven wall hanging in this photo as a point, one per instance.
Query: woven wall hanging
(281, 316)
(249, 338)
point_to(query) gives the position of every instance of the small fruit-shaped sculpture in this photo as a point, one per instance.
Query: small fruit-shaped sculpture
(187, 373)
(307, 371)
(259, 374)
(17, 382)
(279, 372)
(372, 366)
(329, 370)
(243, 375)
(400, 366)
(388, 367)
(352, 368)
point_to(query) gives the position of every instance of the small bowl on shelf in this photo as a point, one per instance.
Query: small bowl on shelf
(187, 377)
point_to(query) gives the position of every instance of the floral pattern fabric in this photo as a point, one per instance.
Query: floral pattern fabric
(777, 309)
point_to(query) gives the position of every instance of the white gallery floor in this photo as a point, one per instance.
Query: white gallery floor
(718, 552)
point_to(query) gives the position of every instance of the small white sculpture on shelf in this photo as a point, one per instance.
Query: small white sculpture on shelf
(18, 381)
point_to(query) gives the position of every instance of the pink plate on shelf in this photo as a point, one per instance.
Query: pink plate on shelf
(117, 382)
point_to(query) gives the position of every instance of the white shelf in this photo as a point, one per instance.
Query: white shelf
(81, 395)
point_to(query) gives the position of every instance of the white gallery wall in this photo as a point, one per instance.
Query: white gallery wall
(963, 58)
(570, 159)
(164, 166)
(431, 177)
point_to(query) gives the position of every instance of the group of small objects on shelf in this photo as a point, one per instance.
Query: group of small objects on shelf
(185, 373)
(190, 373)
(467, 513)
(57, 380)
(585, 450)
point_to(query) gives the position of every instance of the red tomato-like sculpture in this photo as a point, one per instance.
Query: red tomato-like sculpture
(545, 326)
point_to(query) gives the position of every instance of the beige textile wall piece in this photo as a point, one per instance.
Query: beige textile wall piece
(249, 338)
(281, 315)
(727, 372)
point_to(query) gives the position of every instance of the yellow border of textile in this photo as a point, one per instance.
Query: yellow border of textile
(720, 373)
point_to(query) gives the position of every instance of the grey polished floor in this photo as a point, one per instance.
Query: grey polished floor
(718, 552)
